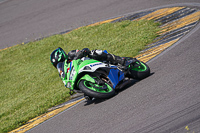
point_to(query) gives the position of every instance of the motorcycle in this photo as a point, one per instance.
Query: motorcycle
(100, 79)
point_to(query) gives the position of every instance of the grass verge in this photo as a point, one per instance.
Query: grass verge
(30, 84)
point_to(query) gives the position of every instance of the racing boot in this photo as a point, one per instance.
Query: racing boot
(116, 59)
(102, 56)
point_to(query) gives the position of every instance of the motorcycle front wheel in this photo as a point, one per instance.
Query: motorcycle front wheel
(97, 91)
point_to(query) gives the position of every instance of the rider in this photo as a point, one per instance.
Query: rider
(59, 55)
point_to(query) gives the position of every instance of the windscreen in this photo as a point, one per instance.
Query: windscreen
(60, 68)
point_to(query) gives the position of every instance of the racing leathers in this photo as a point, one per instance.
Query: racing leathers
(97, 55)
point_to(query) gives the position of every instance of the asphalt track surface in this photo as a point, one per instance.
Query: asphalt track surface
(167, 101)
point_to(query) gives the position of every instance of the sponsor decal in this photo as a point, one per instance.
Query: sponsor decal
(95, 64)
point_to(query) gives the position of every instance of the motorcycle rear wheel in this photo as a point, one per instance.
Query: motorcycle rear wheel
(140, 72)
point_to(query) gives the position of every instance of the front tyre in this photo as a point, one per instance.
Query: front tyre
(140, 72)
(97, 91)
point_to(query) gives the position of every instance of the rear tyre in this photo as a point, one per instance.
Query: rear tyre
(140, 72)
(97, 91)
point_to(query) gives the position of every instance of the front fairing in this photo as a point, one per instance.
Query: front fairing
(76, 67)
(71, 70)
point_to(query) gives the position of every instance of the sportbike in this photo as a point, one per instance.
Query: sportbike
(100, 79)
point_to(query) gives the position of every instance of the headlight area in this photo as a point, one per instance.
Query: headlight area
(72, 74)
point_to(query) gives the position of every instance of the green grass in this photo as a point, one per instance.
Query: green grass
(29, 84)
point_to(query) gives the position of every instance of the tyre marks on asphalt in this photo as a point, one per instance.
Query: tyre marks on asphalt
(160, 13)
(175, 22)
(153, 52)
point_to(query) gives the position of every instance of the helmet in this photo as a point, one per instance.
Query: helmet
(58, 55)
